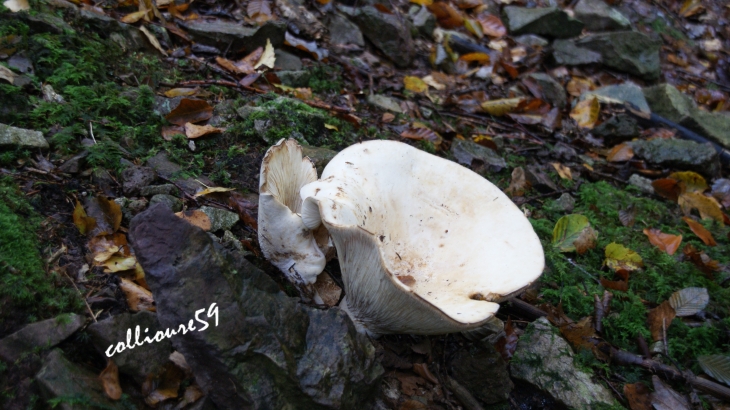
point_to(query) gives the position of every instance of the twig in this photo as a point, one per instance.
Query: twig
(93, 317)
(583, 270)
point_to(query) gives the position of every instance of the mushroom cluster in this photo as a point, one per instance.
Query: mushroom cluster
(425, 245)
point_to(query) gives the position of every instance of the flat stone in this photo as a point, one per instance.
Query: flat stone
(384, 102)
(644, 184)
(44, 334)
(135, 178)
(294, 78)
(548, 21)
(266, 349)
(21, 138)
(679, 153)
(343, 31)
(151, 190)
(320, 156)
(224, 34)
(599, 16)
(388, 33)
(628, 51)
(140, 361)
(74, 164)
(566, 203)
(565, 52)
(472, 154)
(619, 128)
(59, 378)
(287, 61)
(168, 200)
(545, 360)
(481, 369)
(46, 23)
(627, 92)
(551, 90)
(219, 218)
(532, 40)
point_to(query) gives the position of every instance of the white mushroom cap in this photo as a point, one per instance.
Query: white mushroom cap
(425, 245)
(283, 238)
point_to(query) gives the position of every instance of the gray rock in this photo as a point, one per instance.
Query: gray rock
(164, 106)
(565, 52)
(619, 128)
(44, 334)
(388, 33)
(294, 78)
(668, 102)
(384, 102)
(599, 16)
(223, 34)
(168, 189)
(74, 164)
(481, 369)
(140, 361)
(286, 61)
(544, 359)
(266, 348)
(320, 156)
(628, 51)
(168, 169)
(679, 153)
(549, 21)
(344, 32)
(130, 208)
(424, 21)
(22, 138)
(531, 40)
(219, 218)
(168, 200)
(566, 203)
(552, 91)
(472, 154)
(126, 36)
(624, 92)
(644, 184)
(135, 178)
(59, 378)
(45, 23)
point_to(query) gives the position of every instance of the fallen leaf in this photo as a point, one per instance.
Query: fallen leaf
(500, 107)
(197, 218)
(387, 118)
(620, 285)
(164, 385)
(169, 131)
(180, 92)
(619, 257)
(574, 233)
(659, 320)
(492, 25)
(582, 335)
(132, 18)
(665, 398)
(690, 181)
(507, 344)
(421, 369)
(717, 366)
(519, 184)
(138, 298)
(110, 381)
(190, 110)
(721, 191)
(268, 58)
(7, 75)
(193, 131)
(620, 153)
(153, 40)
(119, 263)
(433, 82)
(664, 241)
(422, 134)
(689, 301)
(577, 86)
(107, 215)
(17, 5)
(708, 207)
(700, 231)
(701, 260)
(638, 395)
(414, 84)
(259, 11)
(447, 16)
(585, 113)
(422, 2)
(562, 170)
(628, 216)
(84, 223)
(481, 58)
(308, 46)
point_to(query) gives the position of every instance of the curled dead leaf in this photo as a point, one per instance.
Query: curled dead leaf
(664, 241)
(110, 381)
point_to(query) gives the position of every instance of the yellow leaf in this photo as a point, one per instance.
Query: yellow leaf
(474, 27)
(586, 112)
(562, 170)
(482, 58)
(268, 58)
(83, 222)
(433, 83)
(708, 207)
(619, 257)
(331, 127)
(211, 190)
(153, 40)
(180, 92)
(119, 263)
(134, 17)
(690, 181)
(138, 298)
(110, 381)
(195, 131)
(574, 233)
(197, 218)
(422, 2)
(501, 107)
(415, 84)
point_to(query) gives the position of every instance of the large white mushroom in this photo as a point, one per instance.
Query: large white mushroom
(425, 245)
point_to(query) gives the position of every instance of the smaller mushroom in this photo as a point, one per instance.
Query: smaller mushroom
(284, 239)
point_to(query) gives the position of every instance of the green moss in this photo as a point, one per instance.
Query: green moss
(324, 79)
(25, 286)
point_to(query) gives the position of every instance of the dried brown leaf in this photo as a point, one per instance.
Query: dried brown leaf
(190, 110)
(664, 241)
(110, 381)
(659, 320)
(700, 231)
